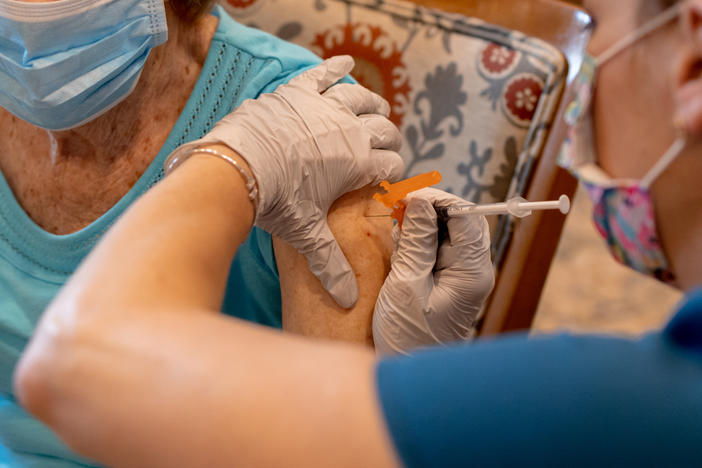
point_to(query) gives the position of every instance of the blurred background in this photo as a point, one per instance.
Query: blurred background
(587, 291)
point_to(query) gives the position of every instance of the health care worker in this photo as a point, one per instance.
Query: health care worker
(131, 378)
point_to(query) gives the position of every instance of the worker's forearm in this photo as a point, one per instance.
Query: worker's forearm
(174, 247)
(188, 389)
(149, 378)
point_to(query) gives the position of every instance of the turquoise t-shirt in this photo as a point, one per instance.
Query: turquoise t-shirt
(242, 63)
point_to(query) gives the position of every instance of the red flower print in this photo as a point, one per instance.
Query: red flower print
(379, 64)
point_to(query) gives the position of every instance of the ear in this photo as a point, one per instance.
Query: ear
(688, 91)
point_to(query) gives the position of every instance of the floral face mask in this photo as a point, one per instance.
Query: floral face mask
(623, 210)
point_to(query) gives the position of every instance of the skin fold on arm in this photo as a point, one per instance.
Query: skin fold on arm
(367, 243)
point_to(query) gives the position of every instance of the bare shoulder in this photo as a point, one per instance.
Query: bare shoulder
(367, 244)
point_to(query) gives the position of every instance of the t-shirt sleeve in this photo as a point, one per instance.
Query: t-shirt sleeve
(556, 401)
(287, 76)
(253, 286)
(290, 59)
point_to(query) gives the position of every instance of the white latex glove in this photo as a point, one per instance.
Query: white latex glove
(307, 144)
(430, 299)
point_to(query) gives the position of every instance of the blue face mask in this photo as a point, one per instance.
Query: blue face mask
(66, 62)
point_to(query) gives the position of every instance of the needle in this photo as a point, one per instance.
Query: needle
(517, 206)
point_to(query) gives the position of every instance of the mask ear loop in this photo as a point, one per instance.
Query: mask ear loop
(659, 21)
(627, 41)
(665, 161)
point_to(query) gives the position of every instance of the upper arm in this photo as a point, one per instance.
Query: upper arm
(367, 243)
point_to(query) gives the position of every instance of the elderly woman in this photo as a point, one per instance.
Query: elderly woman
(217, 392)
(93, 99)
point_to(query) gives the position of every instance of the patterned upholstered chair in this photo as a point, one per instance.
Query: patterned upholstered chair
(474, 100)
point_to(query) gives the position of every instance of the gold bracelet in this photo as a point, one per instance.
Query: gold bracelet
(172, 164)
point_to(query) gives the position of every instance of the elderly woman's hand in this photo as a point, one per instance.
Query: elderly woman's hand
(307, 144)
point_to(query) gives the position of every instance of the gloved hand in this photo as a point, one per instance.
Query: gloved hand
(430, 299)
(307, 144)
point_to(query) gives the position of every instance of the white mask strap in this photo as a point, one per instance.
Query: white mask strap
(659, 21)
(665, 161)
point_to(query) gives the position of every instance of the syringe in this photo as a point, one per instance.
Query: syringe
(517, 207)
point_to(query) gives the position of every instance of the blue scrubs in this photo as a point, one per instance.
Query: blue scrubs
(242, 63)
(552, 401)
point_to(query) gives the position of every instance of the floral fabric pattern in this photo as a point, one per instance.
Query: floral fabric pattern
(473, 100)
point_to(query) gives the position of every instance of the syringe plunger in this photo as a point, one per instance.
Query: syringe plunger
(518, 207)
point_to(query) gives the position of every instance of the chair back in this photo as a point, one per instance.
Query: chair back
(474, 98)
